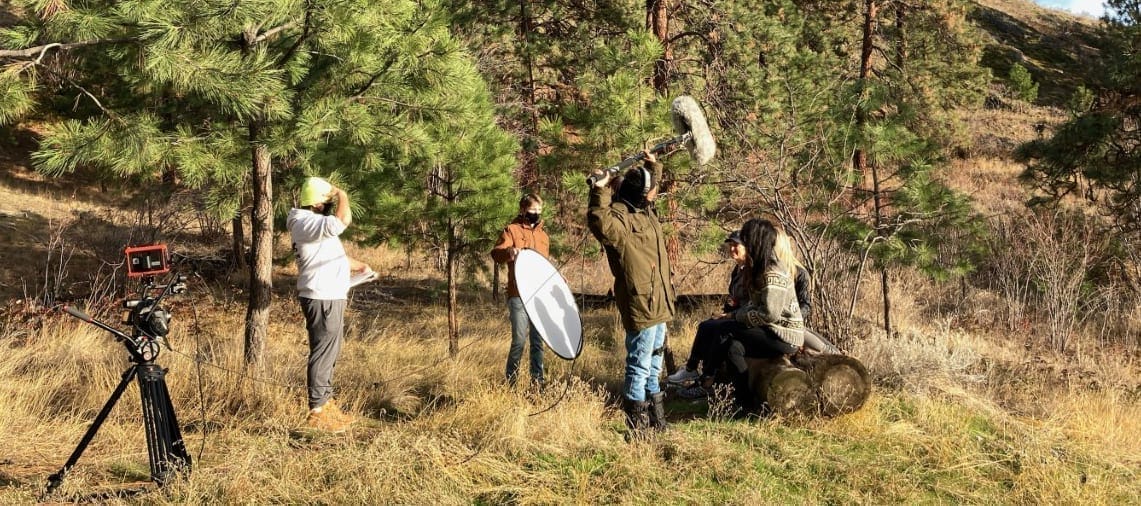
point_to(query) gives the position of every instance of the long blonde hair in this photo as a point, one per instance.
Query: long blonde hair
(784, 253)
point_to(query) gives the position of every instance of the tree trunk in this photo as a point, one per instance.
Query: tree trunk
(530, 172)
(450, 261)
(495, 281)
(261, 247)
(238, 247)
(860, 157)
(453, 306)
(657, 22)
(901, 36)
(885, 287)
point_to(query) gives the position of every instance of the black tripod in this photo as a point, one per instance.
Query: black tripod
(165, 447)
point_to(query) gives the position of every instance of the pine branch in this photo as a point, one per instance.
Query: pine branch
(285, 57)
(98, 104)
(62, 46)
(275, 30)
(675, 38)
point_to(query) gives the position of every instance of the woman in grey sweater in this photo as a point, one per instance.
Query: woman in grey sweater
(774, 327)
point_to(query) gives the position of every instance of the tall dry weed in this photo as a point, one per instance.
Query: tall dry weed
(1040, 264)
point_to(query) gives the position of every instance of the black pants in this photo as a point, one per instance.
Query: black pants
(710, 344)
(756, 342)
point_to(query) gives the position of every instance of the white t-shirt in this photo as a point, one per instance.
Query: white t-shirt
(322, 265)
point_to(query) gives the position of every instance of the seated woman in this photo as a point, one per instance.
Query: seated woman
(771, 323)
(709, 342)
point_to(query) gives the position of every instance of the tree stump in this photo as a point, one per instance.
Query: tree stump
(786, 390)
(841, 382)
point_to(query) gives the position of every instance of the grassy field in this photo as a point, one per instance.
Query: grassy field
(955, 418)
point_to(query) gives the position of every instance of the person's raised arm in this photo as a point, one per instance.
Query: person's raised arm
(344, 211)
(599, 219)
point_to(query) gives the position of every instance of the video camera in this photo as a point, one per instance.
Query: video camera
(149, 320)
(150, 323)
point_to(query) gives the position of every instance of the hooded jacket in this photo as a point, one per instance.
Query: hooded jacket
(519, 234)
(636, 252)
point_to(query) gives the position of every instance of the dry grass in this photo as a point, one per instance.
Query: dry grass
(943, 426)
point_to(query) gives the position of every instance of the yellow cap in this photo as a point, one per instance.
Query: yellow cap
(314, 191)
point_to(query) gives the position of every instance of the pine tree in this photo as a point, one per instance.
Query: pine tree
(467, 194)
(1022, 85)
(536, 54)
(1095, 154)
(900, 134)
(352, 90)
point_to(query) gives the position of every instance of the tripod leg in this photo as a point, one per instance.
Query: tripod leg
(165, 447)
(56, 479)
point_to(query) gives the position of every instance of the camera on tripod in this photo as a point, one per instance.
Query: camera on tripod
(150, 323)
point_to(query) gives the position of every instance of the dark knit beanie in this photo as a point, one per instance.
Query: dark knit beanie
(636, 184)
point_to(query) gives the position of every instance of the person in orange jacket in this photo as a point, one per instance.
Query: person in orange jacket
(524, 232)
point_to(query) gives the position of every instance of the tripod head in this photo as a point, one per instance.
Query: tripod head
(149, 321)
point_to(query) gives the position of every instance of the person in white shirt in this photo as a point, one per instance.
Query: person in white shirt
(323, 272)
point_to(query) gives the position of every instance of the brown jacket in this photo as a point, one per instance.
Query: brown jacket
(636, 251)
(519, 234)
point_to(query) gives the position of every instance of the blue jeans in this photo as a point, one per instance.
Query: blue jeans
(643, 366)
(519, 327)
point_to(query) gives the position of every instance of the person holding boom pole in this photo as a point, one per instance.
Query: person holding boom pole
(628, 228)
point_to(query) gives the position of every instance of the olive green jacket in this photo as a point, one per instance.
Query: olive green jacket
(636, 251)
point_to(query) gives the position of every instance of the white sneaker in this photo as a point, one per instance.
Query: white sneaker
(683, 376)
(362, 277)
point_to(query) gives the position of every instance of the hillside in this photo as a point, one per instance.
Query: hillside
(972, 403)
(1054, 45)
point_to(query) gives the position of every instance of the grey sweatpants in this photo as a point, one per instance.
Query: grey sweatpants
(325, 322)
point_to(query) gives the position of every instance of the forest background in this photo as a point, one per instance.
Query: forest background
(960, 177)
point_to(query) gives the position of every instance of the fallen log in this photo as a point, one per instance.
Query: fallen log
(785, 390)
(828, 385)
(841, 382)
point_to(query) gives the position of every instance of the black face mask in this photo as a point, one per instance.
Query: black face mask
(328, 209)
(532, 218)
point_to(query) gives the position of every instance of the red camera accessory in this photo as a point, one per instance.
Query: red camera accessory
(147, 260)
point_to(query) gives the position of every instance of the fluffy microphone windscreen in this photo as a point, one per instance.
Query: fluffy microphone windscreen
(686, 116)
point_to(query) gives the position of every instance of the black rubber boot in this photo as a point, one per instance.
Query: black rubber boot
(658, 411)
(637, 418)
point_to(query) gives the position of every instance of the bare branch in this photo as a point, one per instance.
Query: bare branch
(275, 30)
(40, 51)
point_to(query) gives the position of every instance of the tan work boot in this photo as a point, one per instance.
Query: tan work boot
(328, 418)
(341, 415)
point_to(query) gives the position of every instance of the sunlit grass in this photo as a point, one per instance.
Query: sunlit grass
(449, 431)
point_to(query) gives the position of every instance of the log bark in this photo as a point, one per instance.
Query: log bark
(841, 382)
(784, 389)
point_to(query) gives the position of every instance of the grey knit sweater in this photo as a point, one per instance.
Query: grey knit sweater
(775, 306)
